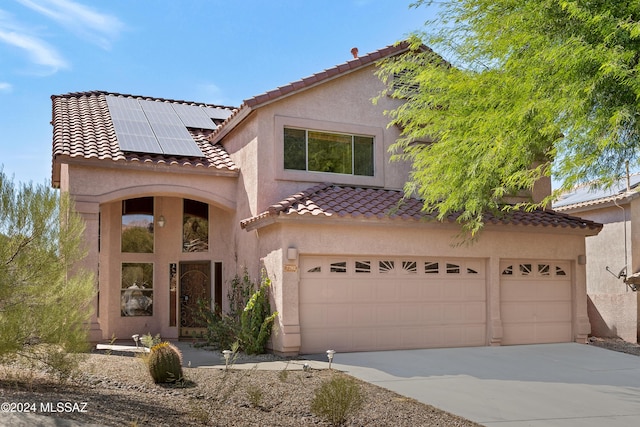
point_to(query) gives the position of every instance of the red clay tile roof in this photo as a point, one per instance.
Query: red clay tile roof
(82, 129)
(328, 200)
(313, 80)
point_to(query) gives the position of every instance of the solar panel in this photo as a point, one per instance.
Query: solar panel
(217, 113)
(193, 116)
(133, 131)
(173, 136)
(150, 127)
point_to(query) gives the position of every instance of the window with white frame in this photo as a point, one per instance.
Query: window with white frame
(319, 151)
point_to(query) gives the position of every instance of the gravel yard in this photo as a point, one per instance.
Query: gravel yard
(118, 391)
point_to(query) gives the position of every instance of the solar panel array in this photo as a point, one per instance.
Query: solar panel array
(160, 127)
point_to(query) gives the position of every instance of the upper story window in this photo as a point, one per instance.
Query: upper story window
(317, 151)
(195, 226)
(137, 225)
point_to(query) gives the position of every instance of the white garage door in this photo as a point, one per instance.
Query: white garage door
(536, 302)
(376, 303)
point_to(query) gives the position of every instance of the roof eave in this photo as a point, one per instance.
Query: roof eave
(591, 205)
(266, 219)
(138, 164)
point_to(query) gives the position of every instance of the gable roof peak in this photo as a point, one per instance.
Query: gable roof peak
(351, 65)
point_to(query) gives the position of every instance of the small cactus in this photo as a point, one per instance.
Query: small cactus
(165, 363)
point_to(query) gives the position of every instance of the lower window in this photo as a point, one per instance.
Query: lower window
(136, 294)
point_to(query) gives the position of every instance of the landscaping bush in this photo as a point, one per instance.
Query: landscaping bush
(257, 320)
(222, 330)
(249, 320)
(337, 399)
(165, 363)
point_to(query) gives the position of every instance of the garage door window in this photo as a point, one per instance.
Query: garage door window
(537, 270)
(339, 267)
(431, 267)
(398, 266)
(363, 267)
(410, 267)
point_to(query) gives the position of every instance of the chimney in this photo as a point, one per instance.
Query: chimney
(354, 52)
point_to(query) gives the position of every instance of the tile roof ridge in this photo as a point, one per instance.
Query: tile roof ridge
(148, 98)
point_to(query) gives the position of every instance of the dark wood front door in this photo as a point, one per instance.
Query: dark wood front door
(195, 286)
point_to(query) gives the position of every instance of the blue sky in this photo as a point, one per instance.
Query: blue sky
(215, 51)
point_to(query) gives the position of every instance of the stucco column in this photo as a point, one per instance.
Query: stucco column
(89, 211)
(282, 267)
(493, 301)
(290, 317)
(582, 327)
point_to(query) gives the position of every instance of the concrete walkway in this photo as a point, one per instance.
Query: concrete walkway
(563, 385)
(195, 357)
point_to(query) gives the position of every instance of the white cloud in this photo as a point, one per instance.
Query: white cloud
(99, 28)
(5, 87)
(39, 51)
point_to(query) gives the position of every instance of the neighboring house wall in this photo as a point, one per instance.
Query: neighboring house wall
(613, 306)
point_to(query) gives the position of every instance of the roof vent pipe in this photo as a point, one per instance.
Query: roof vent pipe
(628, 178)
(354, 52)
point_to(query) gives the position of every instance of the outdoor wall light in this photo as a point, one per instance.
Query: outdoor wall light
(330, 354)
(161, 221)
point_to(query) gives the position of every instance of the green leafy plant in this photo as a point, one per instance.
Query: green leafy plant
(45, 296)
(256, 321)
(337, 399)
(149, 340)
(165, 363)
(222, 330)
(248, 321)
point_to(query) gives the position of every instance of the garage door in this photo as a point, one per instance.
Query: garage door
(368, 303)
(535, 302)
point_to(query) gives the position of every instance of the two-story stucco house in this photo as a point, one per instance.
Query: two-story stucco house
(179, 197)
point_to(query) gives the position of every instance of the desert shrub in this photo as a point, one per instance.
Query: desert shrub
(337, 399)
(45, 296)
(255, 395)
(257, 320)
(165, 363)
(249, 320)
(222, 330)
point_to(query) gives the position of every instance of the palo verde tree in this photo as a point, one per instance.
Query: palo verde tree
(526, 85)
(45, 301)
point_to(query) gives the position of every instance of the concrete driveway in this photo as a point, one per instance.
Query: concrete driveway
(535, 385)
